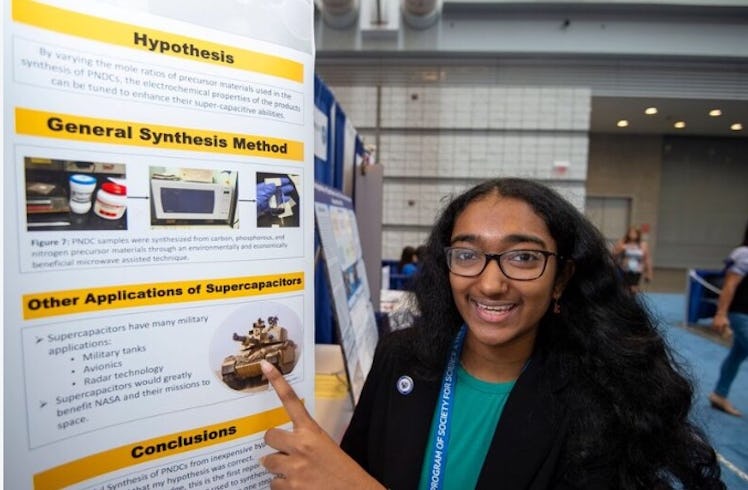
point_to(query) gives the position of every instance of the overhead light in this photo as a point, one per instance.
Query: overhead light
(715, 112)
(736, 127)
(339, 15)
(420, 14)
(622, 123)
(679, 124)
(432, 75)
(650, 111)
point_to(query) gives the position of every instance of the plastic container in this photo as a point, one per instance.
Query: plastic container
(81, 190)
(111, 201)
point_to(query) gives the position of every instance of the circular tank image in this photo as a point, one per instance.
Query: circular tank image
(268, 334)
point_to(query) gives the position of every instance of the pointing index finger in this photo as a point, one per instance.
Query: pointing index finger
(288, 397)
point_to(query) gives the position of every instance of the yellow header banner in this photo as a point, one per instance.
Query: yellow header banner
(159, 447)
(154, 41)
(46, 304)
(78, 128)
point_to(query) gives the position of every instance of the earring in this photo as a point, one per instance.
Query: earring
(556, 306)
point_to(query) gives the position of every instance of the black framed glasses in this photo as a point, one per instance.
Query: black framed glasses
(520, 265)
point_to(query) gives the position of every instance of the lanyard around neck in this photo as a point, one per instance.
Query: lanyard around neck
(440, 443)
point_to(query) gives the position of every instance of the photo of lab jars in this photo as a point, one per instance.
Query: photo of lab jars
(74, 195)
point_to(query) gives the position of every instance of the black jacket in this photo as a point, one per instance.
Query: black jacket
(389, 431)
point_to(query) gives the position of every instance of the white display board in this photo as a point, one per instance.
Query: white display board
(346, 271)
(158, 222)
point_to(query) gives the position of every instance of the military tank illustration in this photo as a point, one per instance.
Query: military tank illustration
(268, 341)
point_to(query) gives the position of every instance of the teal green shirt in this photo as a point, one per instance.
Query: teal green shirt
(475, 413)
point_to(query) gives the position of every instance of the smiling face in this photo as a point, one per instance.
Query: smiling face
(502, 314)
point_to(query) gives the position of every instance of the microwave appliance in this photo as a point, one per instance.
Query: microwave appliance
(182, 200)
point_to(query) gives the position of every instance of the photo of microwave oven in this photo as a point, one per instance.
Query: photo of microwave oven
(192, 196)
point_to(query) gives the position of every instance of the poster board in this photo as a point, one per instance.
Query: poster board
(158, 223)
(346, 271)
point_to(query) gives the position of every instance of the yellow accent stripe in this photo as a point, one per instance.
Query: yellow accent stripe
(120, 34)
(122, 457)
(76, 128)
(46, 304)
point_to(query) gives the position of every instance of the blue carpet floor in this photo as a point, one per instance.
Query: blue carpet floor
(703, 357)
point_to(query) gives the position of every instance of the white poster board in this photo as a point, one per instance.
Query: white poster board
(158, 189)
(346, 271)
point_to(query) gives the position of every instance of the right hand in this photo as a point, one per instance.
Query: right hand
(307, 457)
(721, 325)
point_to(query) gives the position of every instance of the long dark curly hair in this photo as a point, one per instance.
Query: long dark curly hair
(630, 399)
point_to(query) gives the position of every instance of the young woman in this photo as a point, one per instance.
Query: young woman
(632, 255)
(732, 314)
(530, 366)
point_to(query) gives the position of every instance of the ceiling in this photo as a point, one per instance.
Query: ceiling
(684, 52)
(607, 111)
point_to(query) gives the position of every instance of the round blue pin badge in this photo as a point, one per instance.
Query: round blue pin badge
(405, 385)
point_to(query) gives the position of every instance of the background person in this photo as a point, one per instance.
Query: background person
(632, 255)
(512, 373)
(420, 252)
(407, 264)
(732, 314)
(410, 269)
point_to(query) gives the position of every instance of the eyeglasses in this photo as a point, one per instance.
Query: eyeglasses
(520, 265)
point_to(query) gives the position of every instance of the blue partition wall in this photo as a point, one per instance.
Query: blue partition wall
(332, 141)
(327, 173)
(338, 147)
(324, 162)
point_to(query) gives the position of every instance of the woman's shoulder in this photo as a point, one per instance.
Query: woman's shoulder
(398, 343)
(738, 261)
(394, 354)
(740, 253)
